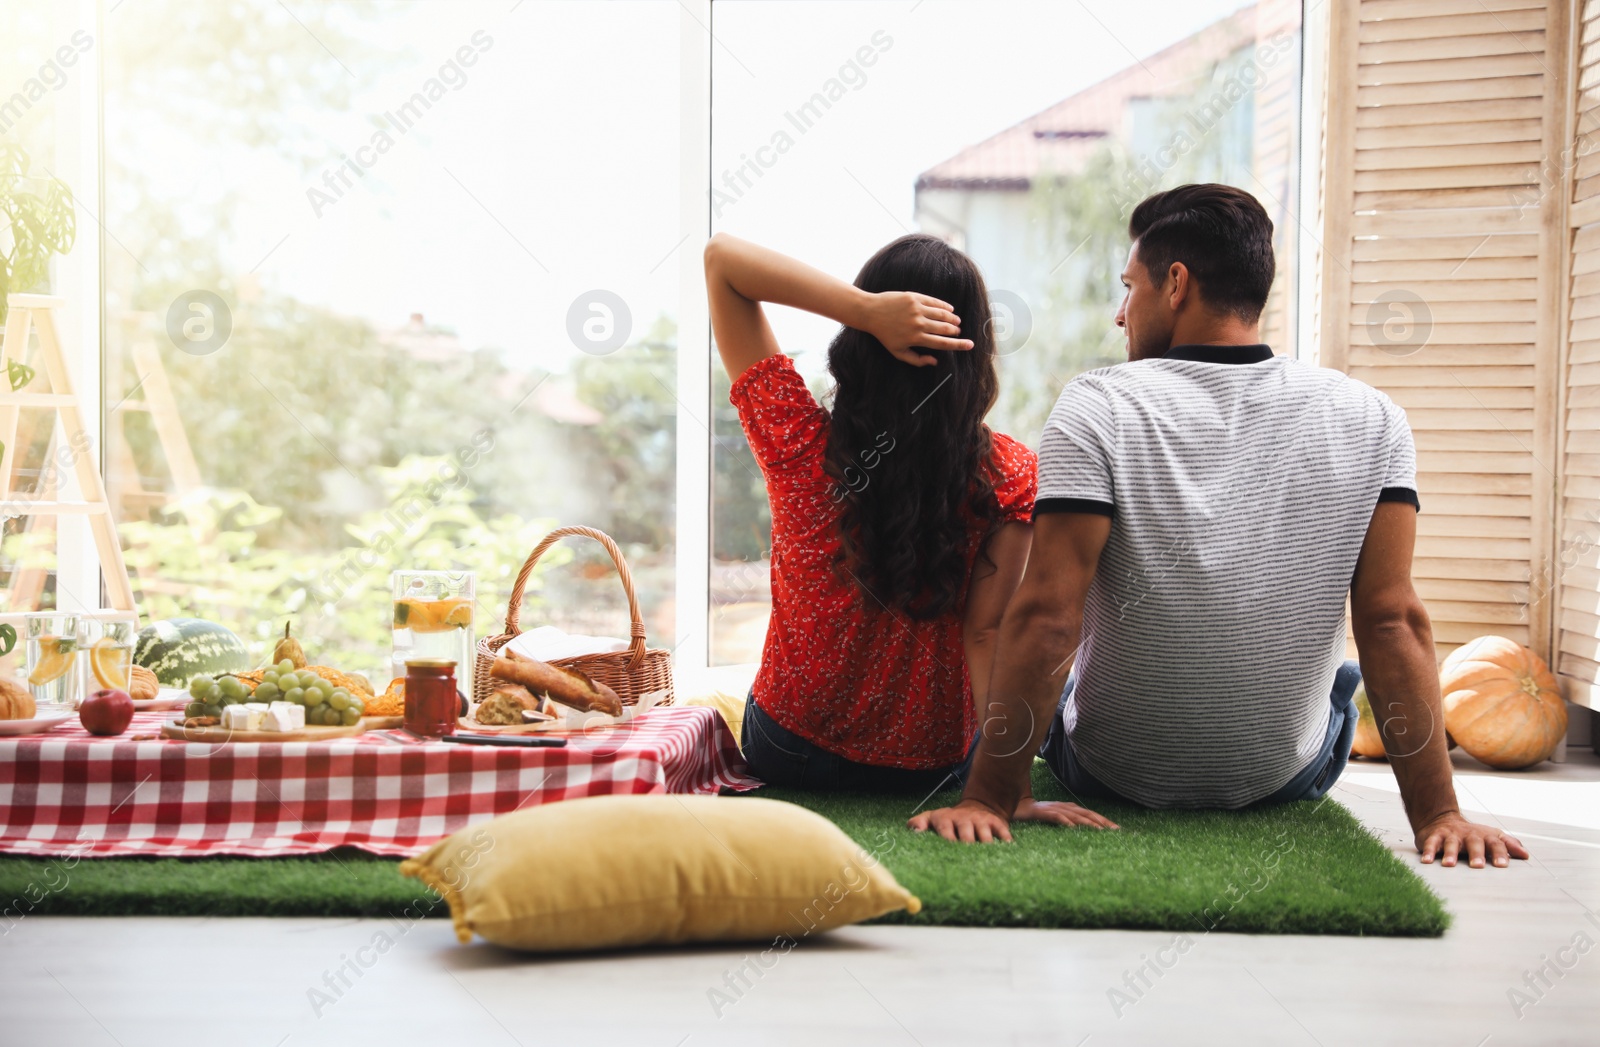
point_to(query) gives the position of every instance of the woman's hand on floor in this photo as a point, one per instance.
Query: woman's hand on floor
(905, 321)
(973, 822)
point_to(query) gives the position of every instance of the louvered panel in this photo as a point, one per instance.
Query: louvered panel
(1421, 199)
(1573, 570)
(1444, 248)
(1447, 300)
(1508, 398)
(1381, 10)
(1457, 548)
(1455, 567)
(1442, 594)
(1446, 114)
(1519, 463)
(1529, 20)
(1495, 88)
(1489, 377)
(1449, 634)
(1439, 355)
(1478, 132)
(1477, 484)
(1434, 48)
(1451, 70)
(1456, 177)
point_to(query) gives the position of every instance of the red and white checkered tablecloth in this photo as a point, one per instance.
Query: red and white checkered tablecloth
(69, 793)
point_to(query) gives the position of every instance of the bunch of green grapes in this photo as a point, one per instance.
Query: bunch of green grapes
(326, 705)
(209, 694)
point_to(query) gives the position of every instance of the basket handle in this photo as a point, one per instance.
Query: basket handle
(636, 620)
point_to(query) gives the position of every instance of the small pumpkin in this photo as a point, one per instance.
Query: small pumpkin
(1368, 742)
(289, 648)
(16, 701)
(1501, 703)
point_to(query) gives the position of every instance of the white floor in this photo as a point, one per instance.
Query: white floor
(66, 982)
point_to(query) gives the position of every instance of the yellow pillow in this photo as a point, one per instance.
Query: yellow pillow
(731, 706)
(612, 871)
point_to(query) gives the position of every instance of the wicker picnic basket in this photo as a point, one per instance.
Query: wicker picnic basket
(638, 670)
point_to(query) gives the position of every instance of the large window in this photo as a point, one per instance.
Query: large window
(405, 285)
(1022, 132)
(394, 285)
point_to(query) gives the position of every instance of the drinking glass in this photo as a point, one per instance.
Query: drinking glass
(433, 613)
(106, 640)
(53, 659)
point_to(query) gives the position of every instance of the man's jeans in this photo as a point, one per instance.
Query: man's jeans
(1310, 784)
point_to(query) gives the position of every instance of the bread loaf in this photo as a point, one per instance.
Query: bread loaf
(570, 688)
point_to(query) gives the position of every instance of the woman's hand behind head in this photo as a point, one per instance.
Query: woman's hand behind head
(905, 321)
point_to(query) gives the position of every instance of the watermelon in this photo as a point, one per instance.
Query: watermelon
(178, 649)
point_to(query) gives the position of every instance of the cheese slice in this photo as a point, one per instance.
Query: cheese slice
(241, 718)
(284, 716)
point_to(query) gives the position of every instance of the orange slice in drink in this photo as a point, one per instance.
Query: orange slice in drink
(55, 658)
(459, 615)
(112, 663)
(432, 616)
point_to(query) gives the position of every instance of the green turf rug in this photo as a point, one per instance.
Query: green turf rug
(1306, 868)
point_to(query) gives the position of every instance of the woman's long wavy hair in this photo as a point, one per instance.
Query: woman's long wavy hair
(907, 447)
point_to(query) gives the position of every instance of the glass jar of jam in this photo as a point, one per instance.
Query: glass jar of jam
(432, 705)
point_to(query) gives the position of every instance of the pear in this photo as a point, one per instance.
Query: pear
(289, 648)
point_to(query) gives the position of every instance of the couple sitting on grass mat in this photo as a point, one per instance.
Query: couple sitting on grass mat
(1155, 604)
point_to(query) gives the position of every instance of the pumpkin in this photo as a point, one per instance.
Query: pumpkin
(16, 701)
(1368, 742)
(1501, 703)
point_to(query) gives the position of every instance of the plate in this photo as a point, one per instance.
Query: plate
(37, 725)
(166, 698)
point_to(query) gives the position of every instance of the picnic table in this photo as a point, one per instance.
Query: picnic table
(387, 792)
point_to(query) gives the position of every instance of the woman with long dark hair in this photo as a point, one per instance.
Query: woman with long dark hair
(900, 522)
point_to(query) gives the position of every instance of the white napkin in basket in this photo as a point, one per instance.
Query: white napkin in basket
(547, 643)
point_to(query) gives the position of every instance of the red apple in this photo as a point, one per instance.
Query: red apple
(106, 712)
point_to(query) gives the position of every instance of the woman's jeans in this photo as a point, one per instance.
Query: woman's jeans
(780, 757)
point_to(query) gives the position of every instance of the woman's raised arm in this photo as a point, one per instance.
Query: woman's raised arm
(741, 275)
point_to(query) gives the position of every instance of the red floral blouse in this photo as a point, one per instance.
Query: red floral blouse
(838, 668)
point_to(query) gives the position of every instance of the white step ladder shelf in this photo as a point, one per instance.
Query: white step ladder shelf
(35, 313)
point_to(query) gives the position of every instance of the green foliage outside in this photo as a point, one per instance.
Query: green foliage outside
(37, 223)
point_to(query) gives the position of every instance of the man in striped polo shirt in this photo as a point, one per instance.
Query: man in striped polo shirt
(1203, 512)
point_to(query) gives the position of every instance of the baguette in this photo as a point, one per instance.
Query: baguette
(566, 686)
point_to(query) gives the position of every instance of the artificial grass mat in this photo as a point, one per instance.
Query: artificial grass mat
(1306, 868)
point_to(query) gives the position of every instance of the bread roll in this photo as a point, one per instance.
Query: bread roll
(142, 684)
(16, 701)
(566, 686)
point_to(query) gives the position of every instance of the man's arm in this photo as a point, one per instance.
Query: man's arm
(993, 584)
(741, 275)
(1398, 665)
(1038, 640)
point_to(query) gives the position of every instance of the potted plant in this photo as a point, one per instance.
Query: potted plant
(37, 222)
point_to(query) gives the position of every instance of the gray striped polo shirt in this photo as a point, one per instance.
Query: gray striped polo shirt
(1240, 486)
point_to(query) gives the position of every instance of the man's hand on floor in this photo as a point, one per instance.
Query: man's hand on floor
(972, 822)
(1451, 835)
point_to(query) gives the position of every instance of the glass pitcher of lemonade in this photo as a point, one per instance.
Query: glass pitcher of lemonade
(433, 612)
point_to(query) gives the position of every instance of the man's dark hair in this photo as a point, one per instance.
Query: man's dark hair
(1223, 236)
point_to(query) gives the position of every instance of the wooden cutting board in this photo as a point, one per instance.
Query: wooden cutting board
(219, 735)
